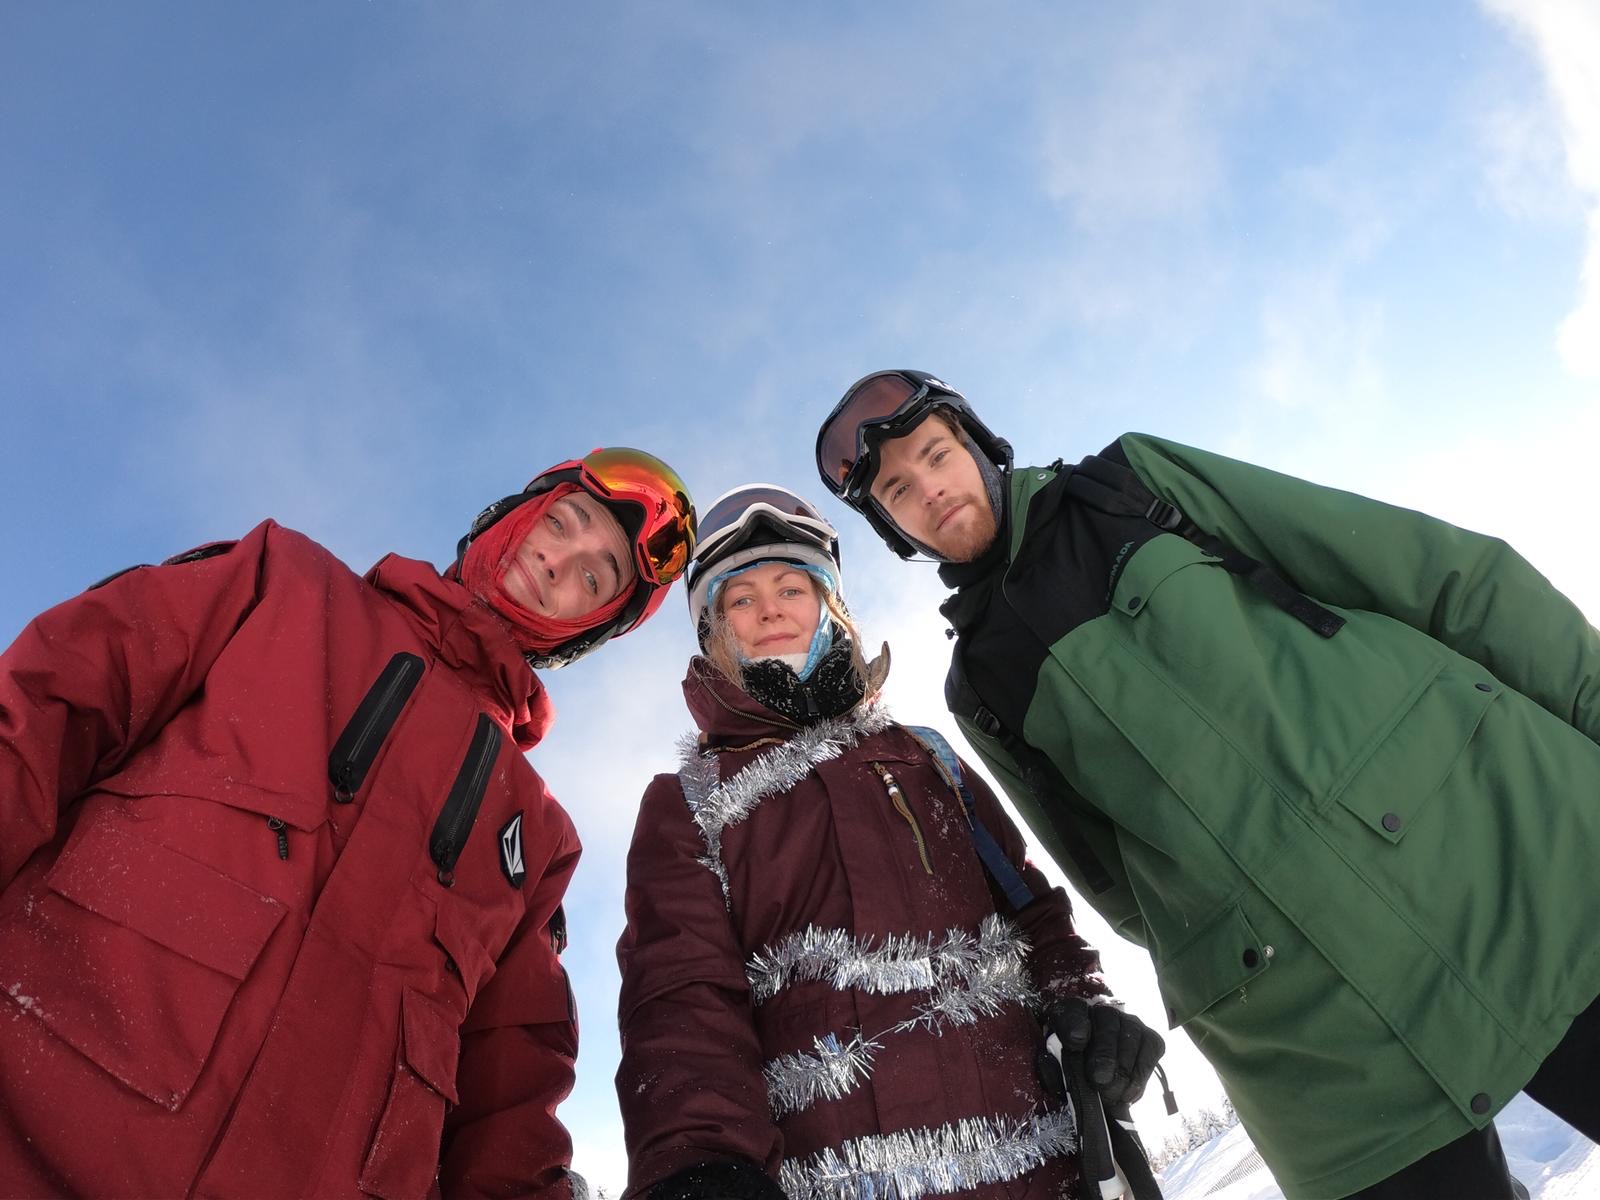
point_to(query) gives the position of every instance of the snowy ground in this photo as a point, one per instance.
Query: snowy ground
(1554, 1161)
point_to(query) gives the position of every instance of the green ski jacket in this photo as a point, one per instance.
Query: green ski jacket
(1362, 863)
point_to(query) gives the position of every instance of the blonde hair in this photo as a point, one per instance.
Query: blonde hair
(722, 644)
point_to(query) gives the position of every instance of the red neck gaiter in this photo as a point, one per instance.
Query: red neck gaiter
(484, 567)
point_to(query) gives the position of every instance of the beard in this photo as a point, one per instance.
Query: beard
(970, 534)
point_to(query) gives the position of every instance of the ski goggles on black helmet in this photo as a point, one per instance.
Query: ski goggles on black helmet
(876, 408)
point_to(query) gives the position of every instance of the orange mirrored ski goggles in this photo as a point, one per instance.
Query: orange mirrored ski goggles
(664, 541)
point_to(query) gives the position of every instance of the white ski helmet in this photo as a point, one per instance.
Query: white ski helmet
(758, 522)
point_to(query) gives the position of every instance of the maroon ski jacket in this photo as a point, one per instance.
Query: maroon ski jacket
(815, 977)
(277, 889)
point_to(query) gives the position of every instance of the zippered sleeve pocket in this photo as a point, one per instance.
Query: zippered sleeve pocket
(451, 830)
(353, 754)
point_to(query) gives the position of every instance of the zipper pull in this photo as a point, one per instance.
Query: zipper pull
(898, 799)
(276, 825)
(889, 784)
(1166, 1092)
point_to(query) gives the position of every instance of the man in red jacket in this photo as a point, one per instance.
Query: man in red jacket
(279, 893)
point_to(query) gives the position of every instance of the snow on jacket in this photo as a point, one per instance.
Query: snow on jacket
(815, 978)
(1362, 863)
(276, 887)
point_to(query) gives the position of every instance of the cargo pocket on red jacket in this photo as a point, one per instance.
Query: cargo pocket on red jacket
(132, 953)
(403, 1159)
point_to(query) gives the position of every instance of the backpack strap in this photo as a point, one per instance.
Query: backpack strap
(1000, 868)
(1038, 773)
(1110, 487)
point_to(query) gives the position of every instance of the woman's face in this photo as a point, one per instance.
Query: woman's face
(773, 609)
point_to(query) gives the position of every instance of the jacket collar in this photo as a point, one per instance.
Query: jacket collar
(471, 640)
(1036, 492)
(959, 575)
(725, 713)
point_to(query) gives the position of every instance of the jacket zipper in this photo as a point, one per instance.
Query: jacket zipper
(451, 830)
(276, 825)
(897, 798)
(374, 717)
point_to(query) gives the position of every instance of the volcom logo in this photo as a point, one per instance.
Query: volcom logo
(511, 865)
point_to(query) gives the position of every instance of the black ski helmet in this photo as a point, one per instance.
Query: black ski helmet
(884, 405)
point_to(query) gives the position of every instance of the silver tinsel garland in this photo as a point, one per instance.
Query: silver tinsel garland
(930, 1162)
(966, 977)
(995, 980)
(715, 804)
(797, 1081)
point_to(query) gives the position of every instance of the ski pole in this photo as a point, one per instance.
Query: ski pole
(1095, 1160)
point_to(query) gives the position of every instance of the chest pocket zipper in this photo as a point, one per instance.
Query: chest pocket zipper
(363, 737)
(451, 830)
(898, 799)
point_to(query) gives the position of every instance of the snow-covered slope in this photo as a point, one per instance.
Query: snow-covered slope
(1552, 1159)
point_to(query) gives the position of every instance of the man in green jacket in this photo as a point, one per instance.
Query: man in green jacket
(1332, 762)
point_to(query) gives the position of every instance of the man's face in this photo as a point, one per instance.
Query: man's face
(574, 559)
(929, 485)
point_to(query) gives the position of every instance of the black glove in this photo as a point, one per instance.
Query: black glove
(1119, 1050)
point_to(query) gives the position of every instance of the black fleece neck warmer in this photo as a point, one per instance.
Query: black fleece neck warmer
(833, 689)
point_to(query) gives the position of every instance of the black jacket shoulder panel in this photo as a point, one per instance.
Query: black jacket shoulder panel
(1063, 575)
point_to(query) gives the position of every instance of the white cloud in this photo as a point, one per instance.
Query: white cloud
(1565, 37)
(1526, 161)
(1149, 140)
(1320, 337)
(1319, 348)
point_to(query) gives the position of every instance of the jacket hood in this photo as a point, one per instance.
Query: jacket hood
(471, 639)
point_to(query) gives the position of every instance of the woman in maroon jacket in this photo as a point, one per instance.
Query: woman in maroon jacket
(279, 891)
(822, 985)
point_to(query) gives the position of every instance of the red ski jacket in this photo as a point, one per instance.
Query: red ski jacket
(278, 890)
(815, 977)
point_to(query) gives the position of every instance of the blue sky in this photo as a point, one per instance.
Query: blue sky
(364, 268)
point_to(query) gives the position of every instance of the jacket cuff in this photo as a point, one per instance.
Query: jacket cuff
(736, 1180)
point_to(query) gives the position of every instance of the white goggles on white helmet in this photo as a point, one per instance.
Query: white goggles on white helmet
(756, 522)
